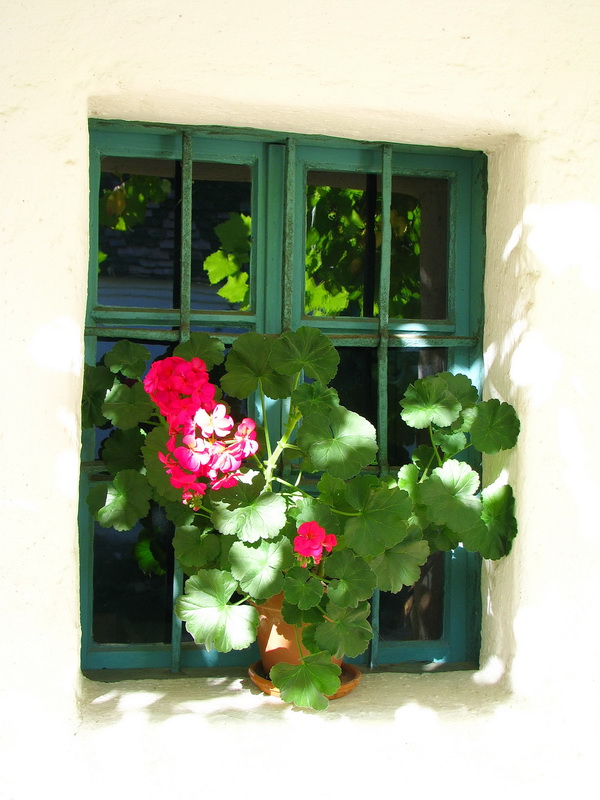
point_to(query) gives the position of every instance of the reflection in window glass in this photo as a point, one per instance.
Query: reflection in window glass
(136, 233)
(416, 612)
(221, 237)
(133, 575)
(343, 246)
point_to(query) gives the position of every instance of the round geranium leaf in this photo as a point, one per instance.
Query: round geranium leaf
(401, 565)
(195, 548)
(259, 568)
(341, 443)
(461, 387)
(302, 588)
(200, 345)
(248, 364)
(346, 630)
(494, 537)
(308, 350)
(381, 522)
(307, 685)
(353, 579)
(495, 427)
(310, 397)
(210, 618)
(127, 501)
(122, 450)
(128, 358)
(261, 517)
(429, 402)
(127, 406)
(449, 495)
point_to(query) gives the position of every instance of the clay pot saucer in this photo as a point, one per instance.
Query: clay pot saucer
(349, 677)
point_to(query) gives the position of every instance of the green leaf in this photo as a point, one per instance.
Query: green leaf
(460, 387)
(401, 565)
(127, 501)
(195, 548)
(294, 615)
(156, 441)
(381, 521)
(494, 539)
(248, 363)
(127, 406)
(179, 514)
(302, 589)
(308, 350)
(262, 517)
(259, 569)
(354, 580)
(449, 495)
(341, 443)
(128, 358)
(122, 450)
(307, 685)
(200, 345)
(428, 402)
(309, 397)
(346, 630)
(97, 381)
(209, 617)
(309, 509)
(144, 554)
(333, 491)
(495, 427)
(450, 443)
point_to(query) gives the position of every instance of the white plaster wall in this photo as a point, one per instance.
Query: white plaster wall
(516, 79)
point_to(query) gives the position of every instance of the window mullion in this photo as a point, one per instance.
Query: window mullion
(288, 234)
(184, 335)
(186, 235)
(384, 305)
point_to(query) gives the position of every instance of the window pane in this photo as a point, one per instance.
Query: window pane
(133, 575)
(416, 612)
(221, 237)
(343, 246)
(136, 233)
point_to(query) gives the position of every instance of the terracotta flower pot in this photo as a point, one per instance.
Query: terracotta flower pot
(277, 640)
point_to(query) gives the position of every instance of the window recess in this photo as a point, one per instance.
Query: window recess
(378, 245)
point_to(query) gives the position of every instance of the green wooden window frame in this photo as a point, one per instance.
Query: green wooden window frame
(279, 164)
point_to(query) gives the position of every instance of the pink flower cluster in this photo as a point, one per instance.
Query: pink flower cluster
(204, 450)
(311, 541)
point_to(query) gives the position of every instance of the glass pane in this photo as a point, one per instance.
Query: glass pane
(132, 605)
(221, 237)
(416, 612)
(343, 246)
(136, 233)
(356, 381)
(405, 366)
(419, 262)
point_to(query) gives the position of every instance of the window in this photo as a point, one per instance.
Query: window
(378, 245)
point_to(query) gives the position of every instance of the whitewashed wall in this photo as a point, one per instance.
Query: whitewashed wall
(516, 79)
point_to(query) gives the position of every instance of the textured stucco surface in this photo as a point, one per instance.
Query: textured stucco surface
(518, 80)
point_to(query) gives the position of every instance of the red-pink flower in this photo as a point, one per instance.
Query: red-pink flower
(312, 539)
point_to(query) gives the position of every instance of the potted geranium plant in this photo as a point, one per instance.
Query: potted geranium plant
(248, 528)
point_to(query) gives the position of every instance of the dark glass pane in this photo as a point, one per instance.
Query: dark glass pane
(131, 606)
(343, 246)
(136, 234)
(221, 237)
(416, 612)
(405, 366)
(356, 381)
